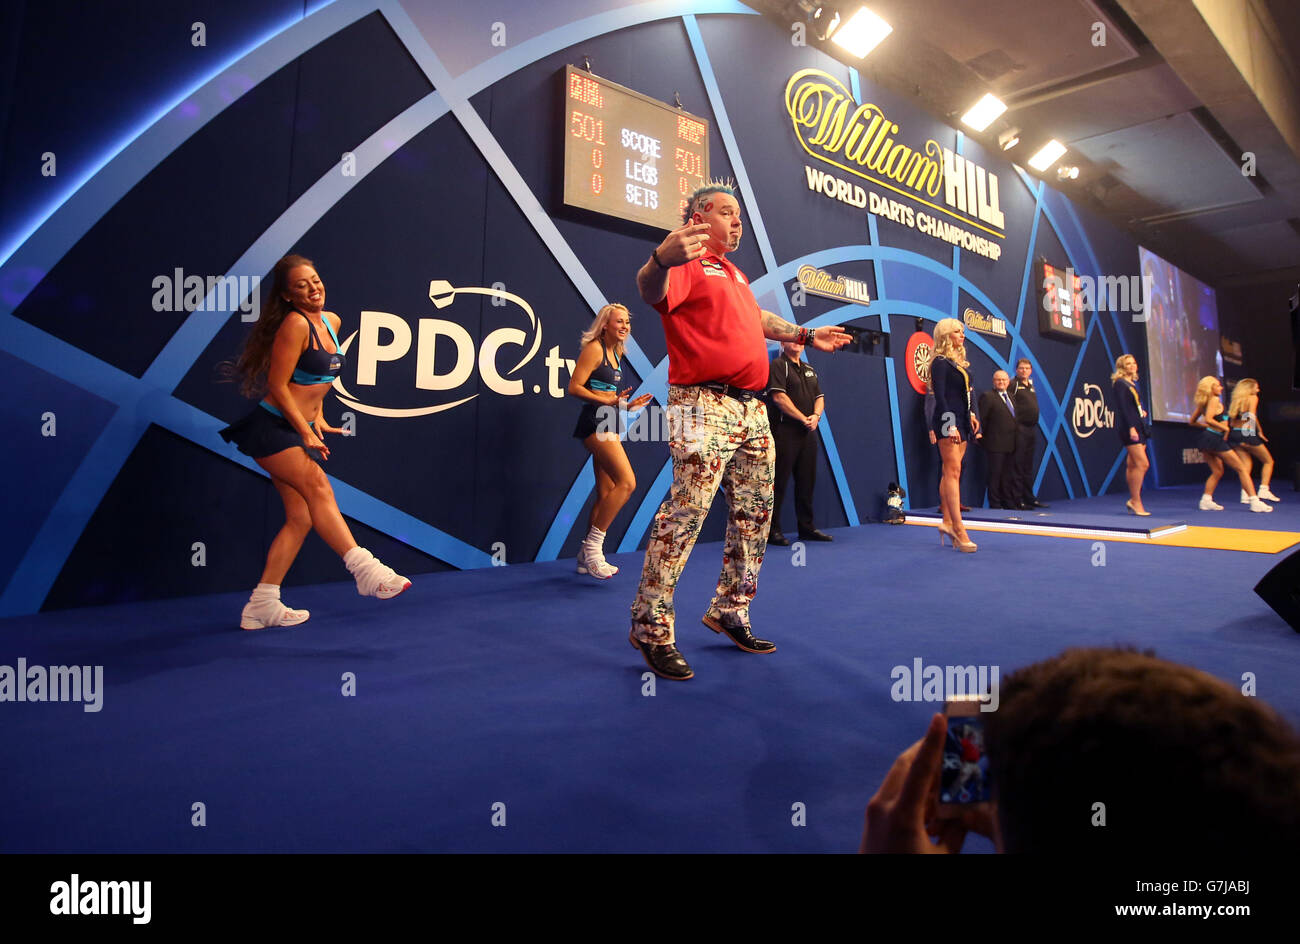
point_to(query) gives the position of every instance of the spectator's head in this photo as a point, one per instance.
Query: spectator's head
(1181, 760)
(1024, 368)
(791, 349)
(1001, 380)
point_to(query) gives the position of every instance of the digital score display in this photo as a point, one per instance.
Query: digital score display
(1061, 312)
(627, 155)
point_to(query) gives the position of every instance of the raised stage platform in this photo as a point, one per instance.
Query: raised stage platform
(1175, 521)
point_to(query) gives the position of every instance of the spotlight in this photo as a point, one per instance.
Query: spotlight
(1009, 139)
(984, 112)
(1047, 155)
(862, 33)
(825, 20)
(1067, 173)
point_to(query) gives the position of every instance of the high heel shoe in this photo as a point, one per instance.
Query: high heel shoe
(966, 547)
(1129, 505)
(944, 529)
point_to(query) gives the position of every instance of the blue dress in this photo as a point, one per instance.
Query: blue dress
(1212, 440)
(952, 408)
(1129, 408)
(607, 376)
(1248, 433)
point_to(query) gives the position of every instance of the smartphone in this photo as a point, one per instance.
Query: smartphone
(964, 776)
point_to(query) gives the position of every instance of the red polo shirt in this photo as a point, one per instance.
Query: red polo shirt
(713, 325)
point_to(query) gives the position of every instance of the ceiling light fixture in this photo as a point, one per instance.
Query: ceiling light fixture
(1067, 173)
(1009, 139)
(984, 112)
(862, 33)
(1047, 155)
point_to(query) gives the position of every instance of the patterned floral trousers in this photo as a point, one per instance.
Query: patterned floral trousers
(714, 440)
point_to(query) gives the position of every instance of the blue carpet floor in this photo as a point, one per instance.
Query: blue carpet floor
(517, 686)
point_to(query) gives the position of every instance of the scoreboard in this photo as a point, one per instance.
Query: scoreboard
(627, 155)
(1061, 314)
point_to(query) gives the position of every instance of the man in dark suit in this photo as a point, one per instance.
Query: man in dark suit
(999, 431)
(1026, 406)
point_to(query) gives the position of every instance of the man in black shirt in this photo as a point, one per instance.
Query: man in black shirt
(1026, 405)
(794, 404)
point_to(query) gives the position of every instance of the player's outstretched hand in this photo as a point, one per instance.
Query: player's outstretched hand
(683, 244)
(830, 338)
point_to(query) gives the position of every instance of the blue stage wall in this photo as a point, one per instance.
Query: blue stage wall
(396, 144)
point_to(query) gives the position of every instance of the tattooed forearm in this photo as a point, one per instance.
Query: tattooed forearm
(778, 329)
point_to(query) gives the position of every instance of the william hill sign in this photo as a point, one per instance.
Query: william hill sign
(833, 127)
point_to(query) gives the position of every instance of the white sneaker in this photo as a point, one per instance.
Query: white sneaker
(272, 613)
(1257, 505)
(1245, 499)
(1266, 493)
(1209, 504)
(594, 564)
(374, 578)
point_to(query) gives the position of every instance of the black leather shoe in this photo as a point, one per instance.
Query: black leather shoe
(665, 660)
(779, 539)
(814, 535)
(1038, 504)
(1025, 506)
(740, 635)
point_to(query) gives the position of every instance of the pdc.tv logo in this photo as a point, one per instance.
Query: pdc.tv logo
(446, 355)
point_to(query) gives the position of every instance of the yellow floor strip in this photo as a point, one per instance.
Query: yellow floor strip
(1214, 539)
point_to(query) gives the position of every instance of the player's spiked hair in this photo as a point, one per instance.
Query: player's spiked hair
(717, 185)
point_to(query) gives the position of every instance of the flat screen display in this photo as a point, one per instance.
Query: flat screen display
(627, 155)
(1182, 337)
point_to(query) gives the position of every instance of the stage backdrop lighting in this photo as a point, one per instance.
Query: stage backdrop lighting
(984, 112)
(863, 32)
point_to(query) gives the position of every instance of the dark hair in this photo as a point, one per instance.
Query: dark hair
(1181, 760)
(1023, 360)
(255, 358)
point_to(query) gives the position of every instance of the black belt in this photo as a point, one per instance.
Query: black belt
(736, 393)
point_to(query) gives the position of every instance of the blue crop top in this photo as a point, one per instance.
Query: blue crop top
(606, 376)
(317, 365)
